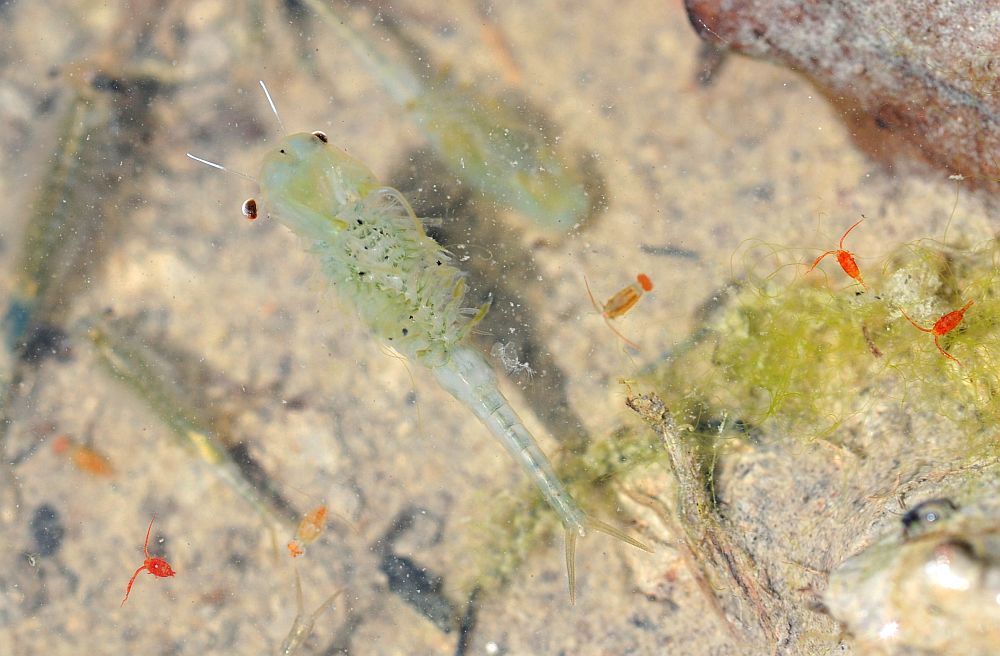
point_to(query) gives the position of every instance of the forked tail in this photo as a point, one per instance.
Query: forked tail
(468, 377)
(572, 533)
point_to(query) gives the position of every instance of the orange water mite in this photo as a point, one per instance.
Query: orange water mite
(294, 549)
(844, 258)
(623, 301)
(943, 326)
(155, 566)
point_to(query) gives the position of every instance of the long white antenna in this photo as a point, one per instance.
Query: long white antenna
(273, 108)
(221, 167)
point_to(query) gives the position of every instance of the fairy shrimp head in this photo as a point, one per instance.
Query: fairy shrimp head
(845, 258)
(943, 326)
(307, 182)
(158, 567)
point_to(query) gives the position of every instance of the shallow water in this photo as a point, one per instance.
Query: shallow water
(266, 356)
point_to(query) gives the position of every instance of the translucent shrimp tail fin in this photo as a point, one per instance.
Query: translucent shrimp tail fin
(608, 529)
(574, 532)
(468, 377)
(571, 535)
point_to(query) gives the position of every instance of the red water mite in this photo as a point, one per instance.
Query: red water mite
(943, 326)
(844, 258)
(623, 301)
(155, 566)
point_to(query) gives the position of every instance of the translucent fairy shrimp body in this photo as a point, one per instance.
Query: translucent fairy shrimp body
(404, 286)
(491, 144)
(373, 248)
(487, 143)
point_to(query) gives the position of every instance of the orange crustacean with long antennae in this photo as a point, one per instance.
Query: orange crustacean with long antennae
(623, 301)
(155, 566)
(844, 258)
(943, 326)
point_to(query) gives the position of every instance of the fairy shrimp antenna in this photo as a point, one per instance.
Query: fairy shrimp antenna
(943, 326)
(407, 289)
(623, 301)
(250, 204)
(215, 165)
(844, 258)
(155, 566)
(274, 109)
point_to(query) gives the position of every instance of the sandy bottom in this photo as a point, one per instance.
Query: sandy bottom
(691, 173)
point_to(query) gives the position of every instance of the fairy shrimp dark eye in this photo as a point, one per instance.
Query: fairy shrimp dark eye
(321, 136)
(250, 209)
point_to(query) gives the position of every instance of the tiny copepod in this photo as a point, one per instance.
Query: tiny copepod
(623, 301)
(844, 258)
(406, 289)
(944, 325)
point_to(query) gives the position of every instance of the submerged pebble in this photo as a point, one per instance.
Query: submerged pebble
(932, 585)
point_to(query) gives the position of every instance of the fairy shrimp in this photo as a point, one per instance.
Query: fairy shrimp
(155, 566)
(623, 301)
(405, 287)
(943, 326)
(844, 258)
(485, 141)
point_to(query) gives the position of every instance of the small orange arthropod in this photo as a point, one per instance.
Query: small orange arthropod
(844, 258)
(312, 524)
(310, 528)
(85, 458)
(622, 302)
(155, 566)
(943, 326)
